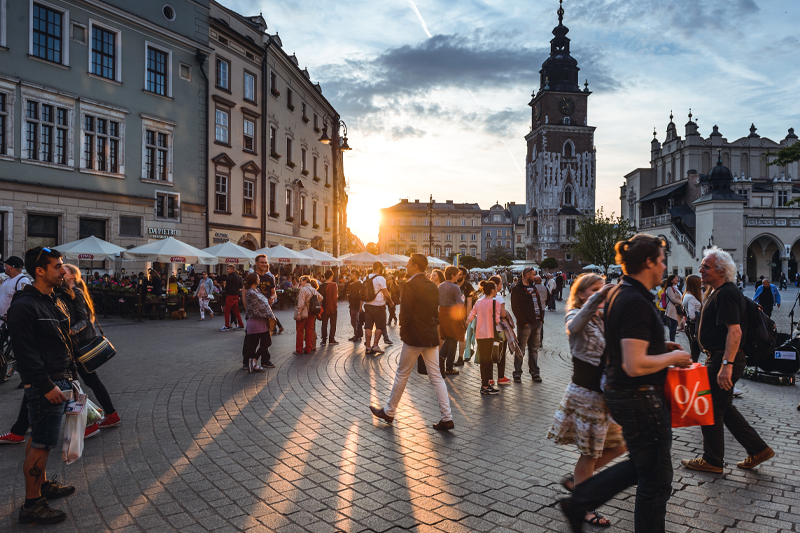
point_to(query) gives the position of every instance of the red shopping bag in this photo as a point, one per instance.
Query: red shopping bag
(689, 395)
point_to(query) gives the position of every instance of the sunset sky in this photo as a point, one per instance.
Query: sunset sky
(435, 92)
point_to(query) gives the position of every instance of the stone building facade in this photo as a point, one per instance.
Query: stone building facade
(700, 192)
(96, 141)
(560, 162)
(456, 228)
(497, 227)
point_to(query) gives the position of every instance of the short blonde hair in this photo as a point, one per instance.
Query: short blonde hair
(581, 283)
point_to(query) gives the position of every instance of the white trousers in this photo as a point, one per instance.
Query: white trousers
(406, 365)
(204, 306)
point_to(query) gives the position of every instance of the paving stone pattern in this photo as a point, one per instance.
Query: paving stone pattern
(204, 446)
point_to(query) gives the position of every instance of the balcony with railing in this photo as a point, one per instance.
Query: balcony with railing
(654, 222)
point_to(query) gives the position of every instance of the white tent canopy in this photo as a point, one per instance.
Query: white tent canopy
(391, 260)
(435, 262)
(231, 253)
(89, 249)
(170, 250)
(361, 259)
(283, 255)
(344, 256)
(321, 258)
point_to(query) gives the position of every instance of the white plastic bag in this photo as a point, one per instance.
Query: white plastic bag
(75, 427)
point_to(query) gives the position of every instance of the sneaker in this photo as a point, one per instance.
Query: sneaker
(92, 430)
(239, 327)
(504, 381)
(486, 391)
(323, 343)
(268, 365)
(387, 341)
(41, 513)
(333, 343)
(52, 489)
(295, 353)
(737, 393)
(451, 372)
(753, 461)
(537, 378)
(354, 339)
(491, 383)
(110, 421)
(517, 379)
(225, 328)
(701, 465)
(10, 438)
(459, 362)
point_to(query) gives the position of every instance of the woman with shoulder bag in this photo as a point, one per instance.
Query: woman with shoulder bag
(304, 319)
(674, 307)
(487, 312)
(504, 317)
(257, 339)
(84, 329)
(692, 305)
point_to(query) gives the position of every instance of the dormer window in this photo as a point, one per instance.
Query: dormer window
(569, 150)
(568, 196)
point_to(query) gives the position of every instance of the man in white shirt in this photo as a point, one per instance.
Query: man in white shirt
(375, 310)
(15, 282)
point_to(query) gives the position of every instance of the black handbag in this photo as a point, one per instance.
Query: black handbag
(497, 344)
(96, 354)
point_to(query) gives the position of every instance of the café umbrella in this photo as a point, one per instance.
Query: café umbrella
(89, 249)
(283, 255)
(232, 254)
(169, 250)
(390, 260)
(321, 258)
(361, 259)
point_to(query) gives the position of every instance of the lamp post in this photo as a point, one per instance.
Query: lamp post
(336, 148)
(430, 226)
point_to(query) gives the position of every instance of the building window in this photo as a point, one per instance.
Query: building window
(448, 237)
(499, 233)
(273, 192)
(488, 233)
(499, 244)
(316, 122)
(221, 129)
(496, 218)
(463, 236)
(570, 226)
(249, 87)
(508, 244)
(536, 227)
(568, 196)
(744, 193)
(326, 175)
(221, 194)
(303, 160)
(413, 221)
(448, 221)
(314, 167)
(289, 158)
(519, 238)
(302, 208)
(314, 214)
(448, 251)
(436, 222)
(290, 99)
(101, 144)
(508, 233)
(249, 135)
(223, 74)
(185, 72)
(32, 130)
(167, 206)
(473, 221)
(568, 257)
(42, 230)
(249, 197)
(273, 141)
(288, 203)
(158, 71)
(104, 53)
(48, 34)
(473, 237)
(273, 84)
(413, 236)
(783, 197)
(463, 251)
(3, 123)
(130, 226)
(157, 155)
(46, 132)
(91, 227)
(488, 244)
(326, 219)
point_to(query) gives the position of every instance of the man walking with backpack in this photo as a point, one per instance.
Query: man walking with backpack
(375, 296)
(526, 302)
(722, 333)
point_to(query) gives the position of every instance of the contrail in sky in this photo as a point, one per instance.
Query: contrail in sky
(419, 16)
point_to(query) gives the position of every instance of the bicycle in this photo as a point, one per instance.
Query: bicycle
(8, 363)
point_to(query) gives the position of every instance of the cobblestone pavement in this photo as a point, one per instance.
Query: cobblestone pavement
(204, 446)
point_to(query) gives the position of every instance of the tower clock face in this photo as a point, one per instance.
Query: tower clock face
(538, 109)
(566, 105)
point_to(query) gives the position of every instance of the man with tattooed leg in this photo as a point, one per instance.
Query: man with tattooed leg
(40, 325)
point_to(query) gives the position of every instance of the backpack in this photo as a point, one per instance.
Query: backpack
(761, 333)
(662, 300)
(313, 306)
(368, 289)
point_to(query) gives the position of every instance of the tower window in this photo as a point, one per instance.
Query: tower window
(568, 196)
(568, 149)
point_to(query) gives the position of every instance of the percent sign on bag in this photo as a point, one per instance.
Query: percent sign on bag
(690, 396)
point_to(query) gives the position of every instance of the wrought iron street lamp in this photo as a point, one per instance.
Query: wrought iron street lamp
(336, 148)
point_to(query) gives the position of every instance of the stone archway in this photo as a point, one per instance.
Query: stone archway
(764, 257)
(248, 241)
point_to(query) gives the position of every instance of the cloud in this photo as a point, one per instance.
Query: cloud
(398, 132)
(397, 80)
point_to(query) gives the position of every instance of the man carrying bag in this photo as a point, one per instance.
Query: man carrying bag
(526, 303)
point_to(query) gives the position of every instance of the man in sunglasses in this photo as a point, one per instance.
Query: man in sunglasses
(39, 323)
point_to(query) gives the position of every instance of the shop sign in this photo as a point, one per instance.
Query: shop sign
(161, 233)
(284, 260)
(219, 238)
(86, 256)
(326, 263)
(231, 260)
(177, 259)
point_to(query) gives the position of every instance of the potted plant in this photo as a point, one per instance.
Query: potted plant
(291, 164)
(304, 223)
(327, 185)
(304, 173)
(317, 130)
(305, 119)
(315, 226)
(289, 218)
(291, 107)
(317, 179)
(275, 92)
(274, 155)
(274, 214)
(327, 229)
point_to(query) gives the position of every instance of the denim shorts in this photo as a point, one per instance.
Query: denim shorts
(45, 417)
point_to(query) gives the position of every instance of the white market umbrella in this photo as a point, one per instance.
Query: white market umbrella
(592, 267)
(433, 261)
(321, 258)
(170, 250)
(389, 259)
(89, 249)
(344, 256)
(283, 255)
(361, 259)
(232, 254)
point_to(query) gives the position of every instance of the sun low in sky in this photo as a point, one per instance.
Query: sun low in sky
(435, 93)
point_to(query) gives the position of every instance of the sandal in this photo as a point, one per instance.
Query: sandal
(596, 520)
(567, 481)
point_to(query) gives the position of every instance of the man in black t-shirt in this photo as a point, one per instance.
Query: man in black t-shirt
(721, 333)
(266, 285)
(636, 371)
(356, 308)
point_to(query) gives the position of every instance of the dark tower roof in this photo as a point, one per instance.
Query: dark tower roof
(718, 182)
(560, 70)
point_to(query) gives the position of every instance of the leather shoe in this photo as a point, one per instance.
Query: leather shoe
(753, 461)
(701, 465)
(444, 425)
(380, 413)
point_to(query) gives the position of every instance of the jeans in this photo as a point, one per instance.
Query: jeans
(448, 354)
(232, 309)
(673, 328)
(44, 417)
(256, 345)
(485, 347)
(405, 365)
(727, 416)
(326, 319)
(646, 426)
(305, 331)
(203, 306)
(357, 321)
(530, 335)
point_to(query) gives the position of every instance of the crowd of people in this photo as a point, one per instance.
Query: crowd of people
(614, 404)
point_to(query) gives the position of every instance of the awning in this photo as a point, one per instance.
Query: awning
(663, 192)
(685, 213)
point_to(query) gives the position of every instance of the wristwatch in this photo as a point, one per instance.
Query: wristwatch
(726, 362)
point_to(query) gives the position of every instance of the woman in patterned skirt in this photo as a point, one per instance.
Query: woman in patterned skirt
(583, 418)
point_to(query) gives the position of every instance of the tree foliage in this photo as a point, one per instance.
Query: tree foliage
(784, 156)
(469, 262)
(497, 254)
(550, 263)
(595, 237)
(372, 248)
